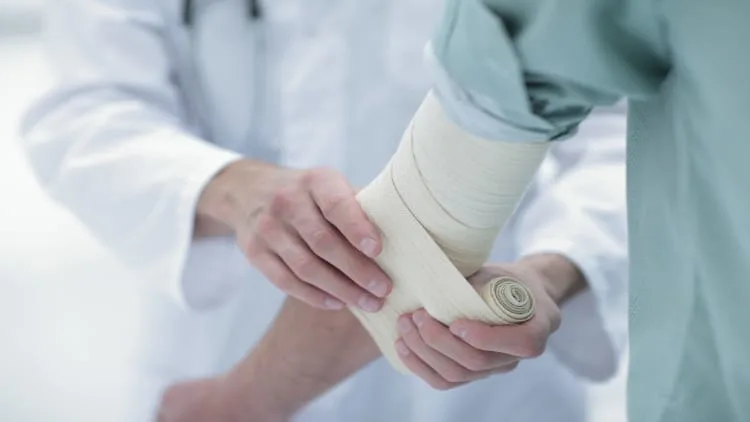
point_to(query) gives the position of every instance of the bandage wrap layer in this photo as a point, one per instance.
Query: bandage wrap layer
(440, 203)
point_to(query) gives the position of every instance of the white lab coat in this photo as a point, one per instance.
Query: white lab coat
(145, 110)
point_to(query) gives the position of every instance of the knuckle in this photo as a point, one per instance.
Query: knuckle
(556, 320)
(532, 346)
(303, 264)
(334, 196)
(252, 247)
(332, 204)
(431, 335)
(285, 282)
(322, 239)
(316, 175)
(282, 201)
(266, 225)
(413, 338)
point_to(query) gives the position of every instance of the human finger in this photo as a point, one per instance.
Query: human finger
(421, 369)
(337, 201)
(438, 337)
(526, 340)
(441, 364)
(283, 278)
(329, 244)
(310, 268)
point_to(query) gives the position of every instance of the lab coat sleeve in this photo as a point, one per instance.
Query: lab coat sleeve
(111, 142)
(532, 70)
(579, 211)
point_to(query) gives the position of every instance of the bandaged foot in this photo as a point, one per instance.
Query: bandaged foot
(440, 203)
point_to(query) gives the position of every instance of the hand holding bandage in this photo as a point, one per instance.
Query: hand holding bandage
(466, 350)
(440, 203)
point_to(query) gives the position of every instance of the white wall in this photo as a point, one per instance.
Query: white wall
(45, 256)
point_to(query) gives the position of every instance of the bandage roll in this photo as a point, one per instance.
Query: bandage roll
(440, 203)
(510, 300)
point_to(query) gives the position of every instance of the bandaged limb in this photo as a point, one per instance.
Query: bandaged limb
(440, 203)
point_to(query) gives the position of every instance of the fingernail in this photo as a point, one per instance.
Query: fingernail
(401, 348)
(458, 331)
(404, 326)
(378, 288)
(418, 318)
(369, 304)
(368, 246)
(333, 304)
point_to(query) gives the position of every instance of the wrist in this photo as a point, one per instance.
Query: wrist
(234, 190)
(561, 277)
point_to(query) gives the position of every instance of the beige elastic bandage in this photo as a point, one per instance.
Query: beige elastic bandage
(440, 203)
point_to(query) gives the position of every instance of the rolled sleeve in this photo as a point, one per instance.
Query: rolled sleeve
(474, 112)
(506, 70)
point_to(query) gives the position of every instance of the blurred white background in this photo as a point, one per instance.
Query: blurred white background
(44, 249)
(45, 254)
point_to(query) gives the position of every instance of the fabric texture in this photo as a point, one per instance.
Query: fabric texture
(687, 132)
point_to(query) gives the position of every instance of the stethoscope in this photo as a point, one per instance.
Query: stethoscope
(254, 11)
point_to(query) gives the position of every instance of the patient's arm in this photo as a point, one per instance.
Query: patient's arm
(305, 353)
(308, 351)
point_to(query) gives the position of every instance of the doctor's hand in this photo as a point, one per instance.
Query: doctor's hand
(465, 351)
(304, 230)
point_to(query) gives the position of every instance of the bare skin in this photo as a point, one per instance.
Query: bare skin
(303, 229)
(307, 351)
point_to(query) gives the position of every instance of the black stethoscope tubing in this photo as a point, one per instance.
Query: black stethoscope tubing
(254, 11)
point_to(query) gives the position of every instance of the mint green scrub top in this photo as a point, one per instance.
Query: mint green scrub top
(531, 70)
